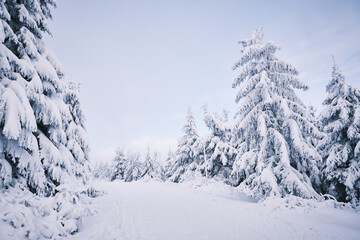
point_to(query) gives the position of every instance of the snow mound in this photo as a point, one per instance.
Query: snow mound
(25, 215)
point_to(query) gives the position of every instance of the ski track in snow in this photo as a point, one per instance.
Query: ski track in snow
(152, 210)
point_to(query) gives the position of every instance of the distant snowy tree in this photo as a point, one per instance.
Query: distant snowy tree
(219, 152)
(119, 165)
(151, 167)
(275, 158)
(169, 163)
(340, 148)
(187, 156)
(134, 168)
(102, 170)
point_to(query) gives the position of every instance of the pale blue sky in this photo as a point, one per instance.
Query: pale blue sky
(142, 63)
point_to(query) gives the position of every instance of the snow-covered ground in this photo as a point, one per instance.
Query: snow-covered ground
(208, 210)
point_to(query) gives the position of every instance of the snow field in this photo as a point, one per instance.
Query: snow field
(154, 210)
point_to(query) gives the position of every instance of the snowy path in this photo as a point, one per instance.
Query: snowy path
(141, 210)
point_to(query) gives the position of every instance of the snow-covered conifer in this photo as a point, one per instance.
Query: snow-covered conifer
(43, 140)
(133, 169)
(151, 167)
(19, 153)
(102, 170)
(219, 152)
(275, 158)
(169, 162)
(340, 148)
(312, 118)
(76, 136)
(119, 165)
(187, 156)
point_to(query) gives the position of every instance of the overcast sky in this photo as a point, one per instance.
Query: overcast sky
(142, 63)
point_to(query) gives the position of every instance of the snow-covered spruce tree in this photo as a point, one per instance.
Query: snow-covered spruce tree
(134, 168)
(36, 123)
(312, 118)
(102, 170)
(340, 148)
(169, 162)
(19, 152)
(151, 167)
(272, 125)
(220, 153)
(75, 130)
(40, 145)
(187, 156)
(119, 165)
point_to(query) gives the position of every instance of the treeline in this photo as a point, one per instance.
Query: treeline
(276, 146)
(129, 167)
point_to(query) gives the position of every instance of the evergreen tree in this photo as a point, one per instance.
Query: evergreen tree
(76, 136)
(119, 165)
(133, 169)
(102, 170)
(312, 118)
(42, 136)
(187, 156)
(340, 148)
(19, 155)
(35, 121)
(151, 167)
(169, 163)
(219, 153)
(275, 158)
